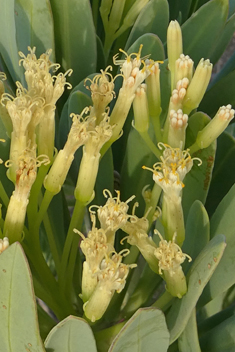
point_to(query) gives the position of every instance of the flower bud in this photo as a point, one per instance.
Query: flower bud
(183, 68)
(214, 128)
(174, 47)
(154, 91)
(197, 86)
(177, 128)
(140, 107)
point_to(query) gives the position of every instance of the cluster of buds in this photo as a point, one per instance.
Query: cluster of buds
(169, 175)
(103, 270)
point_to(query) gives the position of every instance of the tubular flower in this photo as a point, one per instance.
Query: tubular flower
(39, 79)
(102, 92)
(78, 135)
(49, 88)
(170, 257)
(3, 111)
(26, 173)
(169, 175)
(136, 229)
(111, 277)
(113, 215)
(214, 128)
(98, 135)
(94, 247)
(133, 76)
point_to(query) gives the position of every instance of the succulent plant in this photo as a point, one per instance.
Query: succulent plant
(116, 177)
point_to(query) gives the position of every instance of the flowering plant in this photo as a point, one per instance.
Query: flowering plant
(117, 226)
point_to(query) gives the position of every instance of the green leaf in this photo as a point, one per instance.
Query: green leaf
(8, 46)
(34, 26)
(200, 35)
(197, 181)
(200, 273)
(153, 18)
(188, 340)
(151, 45)
(197, 232)
(179, 9)
(145, 331)
(224, 39)
(221, 338)
(133, 177)
(224, 169)
(222, 93)
(18, 314)
(75, 37)
(231, 7)
(71, 334)
(223, 221)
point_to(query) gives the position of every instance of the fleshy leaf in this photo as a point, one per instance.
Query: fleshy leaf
(197, 232)
(75, 37)
(34, 26)
(18, 324)
(223, 222)
(153, 18)
(224, 169)
(188, 340)
(199, 275)
(221, 338)
(71, 334)
(200, 35)
(8, 46)
(145, 331)
(222, 93)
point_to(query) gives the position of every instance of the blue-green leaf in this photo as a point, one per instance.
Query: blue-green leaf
(145, 331)
(197, 232)
(222, 93)
(18, 314)
(223, 221)
(71, 335)
(188, 340)
(75, 37)
(221, 338)
(223, 170)
(34, 26)
(153, 18)
(202, 30)
(8, 46)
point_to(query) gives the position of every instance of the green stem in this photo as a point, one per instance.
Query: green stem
(157, 127)
(34, 194)
(3, 195)
(105, 337)
(164, 301)
(194, 148)
(51, 241)
(150, 144)
(70, 248)
(146, 285)
(155, 195)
